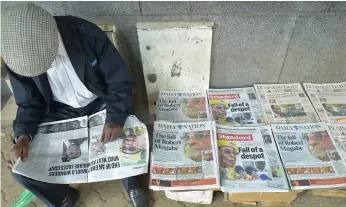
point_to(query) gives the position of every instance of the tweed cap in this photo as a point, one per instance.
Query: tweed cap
(29, 39)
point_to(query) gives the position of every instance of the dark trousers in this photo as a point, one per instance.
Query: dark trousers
(56, 194)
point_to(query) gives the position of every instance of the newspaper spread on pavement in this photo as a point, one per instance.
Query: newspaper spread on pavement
(329, 100)
(235, 107)
(182, 106)
(310, 156)
(338, 134)
(249, 160)
(285, 103)
(184, 156)
(69, 151)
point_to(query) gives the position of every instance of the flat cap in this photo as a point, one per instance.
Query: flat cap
(29, 39)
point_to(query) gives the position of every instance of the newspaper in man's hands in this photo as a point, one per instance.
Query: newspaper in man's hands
(125, 157)
(311, 154)
(285, 103)
(182, 106)
(184, 156)
(329, 100)
(70, 151)
(235, 107)
(249, 160)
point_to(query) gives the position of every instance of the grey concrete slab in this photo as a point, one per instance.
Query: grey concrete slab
(5, 89)
(104, 8)
(317, 51)
(248, 49)
(337, 6)
(53, 7)
(162, 7)
(301, 7)
(56, 8)
(304, 199)
(131, 55)
(257, 7)
(6, 4)
(4, 99)
(126, 25)
(230, 7)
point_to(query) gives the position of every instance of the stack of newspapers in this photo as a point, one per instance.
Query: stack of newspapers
(266, 138)
(184, 155)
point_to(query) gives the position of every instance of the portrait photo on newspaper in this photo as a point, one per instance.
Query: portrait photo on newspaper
(75, 150)
(312, 154)
(249, 160)
(130, 146)
(182, 106)
(235, 107)
(184, 156)
(197, 144)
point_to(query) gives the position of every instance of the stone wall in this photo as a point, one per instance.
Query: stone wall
(253, 42)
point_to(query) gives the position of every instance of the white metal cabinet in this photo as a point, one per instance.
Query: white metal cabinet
(175, 56)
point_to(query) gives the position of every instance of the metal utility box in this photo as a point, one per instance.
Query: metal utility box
(175, 56)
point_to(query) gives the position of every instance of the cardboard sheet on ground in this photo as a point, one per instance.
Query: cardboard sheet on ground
(284, 198)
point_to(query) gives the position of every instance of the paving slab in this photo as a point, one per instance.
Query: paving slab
(337, 7)
(54, 7)
(162, 7)
(317, 50)
(104, 8)
(126, 25)
(248, 49)
(215, 7)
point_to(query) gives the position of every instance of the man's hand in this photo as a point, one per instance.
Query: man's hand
(20, 149)
(111, 132)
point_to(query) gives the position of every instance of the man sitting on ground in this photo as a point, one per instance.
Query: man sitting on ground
(61, 68)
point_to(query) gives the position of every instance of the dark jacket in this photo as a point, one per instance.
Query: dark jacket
(97, 64)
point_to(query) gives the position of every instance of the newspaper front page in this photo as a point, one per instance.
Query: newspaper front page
(235, 107)
(125, 157)
(182, 106)
(338, 134)
(69, 151)
(286, 103)
(58, 153)
(329, 101)
(310, 156)
(184, 156)
(249, 160)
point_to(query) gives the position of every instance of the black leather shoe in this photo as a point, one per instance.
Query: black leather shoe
(71, 198)
(138, 198)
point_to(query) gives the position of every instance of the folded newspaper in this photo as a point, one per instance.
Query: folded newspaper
(312, 154)
(182, 106)
(184, 156)
(249, 160)
(235, 107)
(338, 134)
(286, 103)
(70, 151)
(329, 100)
